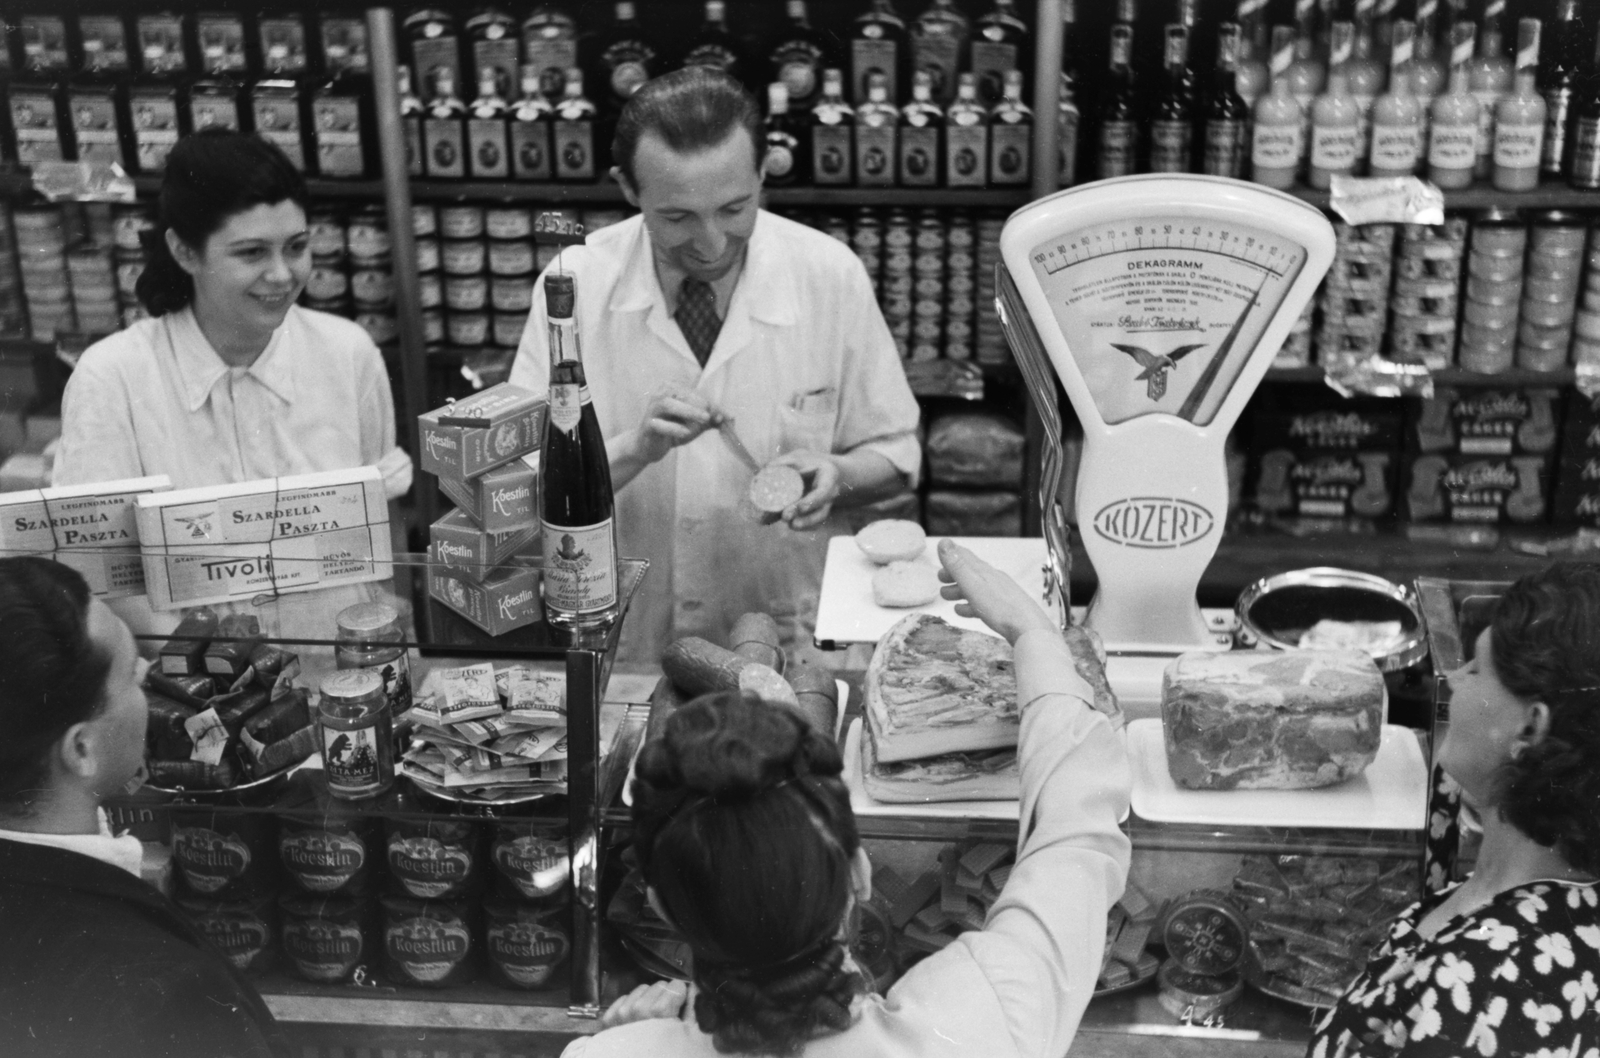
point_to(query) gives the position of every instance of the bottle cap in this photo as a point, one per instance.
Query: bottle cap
(560, 295)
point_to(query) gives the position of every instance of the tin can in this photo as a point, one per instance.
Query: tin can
(433, 332)
(380, 324)
(427, 255)
(430, 294)
(368, 234)
(463, 257)
(327, 283)
(328, 854)
(224, 854)
(434, 859)
(424, 219)
(323, 937)
(325, 234)
(461, 222)
(466, 293)
(427, 942)
(525, 942)
(511, 294)
(506, 328)
(530, 858)
(511, 258)
(357, 744)
(508, 222)
(243, 930)
(467, 328)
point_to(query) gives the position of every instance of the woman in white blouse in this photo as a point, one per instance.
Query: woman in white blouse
(229, 380)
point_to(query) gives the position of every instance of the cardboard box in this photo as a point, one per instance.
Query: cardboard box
(500, 500)
(92, 528)
(1577, 492)
(272, 536)
(1330, 460)
(507, 600)
(460, 544)
(506, 421)
(1488, 422)
(1464, 488)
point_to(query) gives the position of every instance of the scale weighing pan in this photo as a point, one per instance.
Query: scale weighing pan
(1158, 302)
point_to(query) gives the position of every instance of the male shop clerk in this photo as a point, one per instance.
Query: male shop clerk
(707, 307)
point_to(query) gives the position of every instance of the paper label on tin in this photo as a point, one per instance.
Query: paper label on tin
(1010, 154)
(580, 574)
(574, 149)
(965, 154)
(351, 758)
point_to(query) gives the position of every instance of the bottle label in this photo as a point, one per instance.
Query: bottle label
(1224, 148)
(830, 154)
(1518, 146)
(1067, 137)
(278, 122)
(1010, 154)
(443, 148)
(283, 44)
(875, 154)
(1558, 108)
(344, 44)
(433, 55)
(500, 56)
(336, 124)
(1453, 146)
(1334, 148)
(219, 111)
(991, 62)
(940, 57)
(919, 156)
(1116, 148)
(580, 566)
(33, 115)
(486, 141)
(966, 150)
(414, 149)
(530, 150)
(1169, 147)
(1395, 148)
(352, 759)
(868, 57)
(155, 129)
(161, 43)
(566, 406)
(1586, 154)
(105, 46)
(221, 44)
(574, 150)
(778, 162)
(552, 58)
(799, 67)
(94, 119)
(1277, 146)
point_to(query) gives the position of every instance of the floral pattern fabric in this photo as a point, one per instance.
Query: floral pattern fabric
(1518, 977)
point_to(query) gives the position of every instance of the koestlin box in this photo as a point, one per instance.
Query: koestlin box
(92, 528)
(458, 543)
(481, 432)
(506, 600)
(501, 500)
(275, 535)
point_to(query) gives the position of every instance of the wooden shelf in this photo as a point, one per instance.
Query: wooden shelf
(1450, 376)
(1549, 195)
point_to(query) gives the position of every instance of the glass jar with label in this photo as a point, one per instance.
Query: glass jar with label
(370, 637)
(357, 743)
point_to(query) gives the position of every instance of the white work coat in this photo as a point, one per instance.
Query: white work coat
(803, 320)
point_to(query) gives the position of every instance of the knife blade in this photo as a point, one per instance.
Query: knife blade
(736, 446)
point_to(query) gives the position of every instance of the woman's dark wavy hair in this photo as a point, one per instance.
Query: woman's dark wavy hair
(1546, 645)
(211, 175)
(52, 674)
(744, 829)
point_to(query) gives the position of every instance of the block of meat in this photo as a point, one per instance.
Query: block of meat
(1285, 720)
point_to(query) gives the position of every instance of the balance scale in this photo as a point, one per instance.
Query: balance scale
(1158, 302)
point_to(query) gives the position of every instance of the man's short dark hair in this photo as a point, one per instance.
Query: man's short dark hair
(693, 109)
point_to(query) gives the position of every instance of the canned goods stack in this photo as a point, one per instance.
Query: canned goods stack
(928, 276)
(372, 273)
(1494, 288)
(42, 249)
(128, 225)
(866, 239)
(13, 307)
(1586, 343)
(328, 285)
(1355, 296)
(1550, 288)
(961, 288)
(896, 296)
(1426, 292)
(94, 288)
(991, 340)
(1296, 348)
(835, 225)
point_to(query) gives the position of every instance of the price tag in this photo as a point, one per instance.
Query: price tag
(209, 735)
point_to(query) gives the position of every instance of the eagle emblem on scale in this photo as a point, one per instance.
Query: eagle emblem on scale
(1155, 365)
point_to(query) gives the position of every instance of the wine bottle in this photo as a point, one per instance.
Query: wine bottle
(444, 129)
(966, 136)
(1173, 117)
(573, 132)
(832, 141)
(529, 127)
(1011, 137)
(1251, 78)
(1225, 138)
(627, 59)
(798, 58)
(999, 42)
(1335, 116)
(1519, 119)
(876, 121)
(96, 96)
(877, 45)
(1559, 80)
(1584, 172)
(493, 39)
(411, 113)
(1397, 114)
(1453, 118)
(550, 46)
(576, 502)
(783, 160)
(435, 49)
(714, 46)
(214, 98)
(938, 43)
(1118, 127)
(1277, 138)
(1490, 75)
(1068, 114)
(488, 157)
(154, 98)
(921, 124)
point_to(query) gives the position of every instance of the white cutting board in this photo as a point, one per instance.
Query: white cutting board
(1392, 794)
(864, 805)
(846, 613)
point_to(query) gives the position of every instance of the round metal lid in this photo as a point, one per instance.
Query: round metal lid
(1205, 933)
(1277, 610)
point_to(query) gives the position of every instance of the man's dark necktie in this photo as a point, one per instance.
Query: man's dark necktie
(697, 317)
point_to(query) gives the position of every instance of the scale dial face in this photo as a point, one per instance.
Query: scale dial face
(1161, 314)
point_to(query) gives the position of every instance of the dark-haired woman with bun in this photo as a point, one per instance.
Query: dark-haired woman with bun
(229, 380)
(1506, 963)
(746, 838)
(97, 962)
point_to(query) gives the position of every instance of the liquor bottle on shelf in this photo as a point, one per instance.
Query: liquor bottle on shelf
(38, 95)
(1277, 137)
(832, 140)
(1117, 131)
(529, 128)
(1069, 118)
(1428, 73)
(341, 130)
(573, 138)
(876, 122)
(1365, 74)
(1226, 141)
(1011, 136)
(411, 116)
(1584, 171)
(444, 130)
(343, 35)
(435, 49)
(1490, 76)
(488, 157)
(626, 58)
(798, 58)
(877, 45)
(550, 46)
(921, 122)
(1453, 118)
(783, 160)
(1519, 119)
(1308, 76)
(1335, 116)
(154, 97)
(492, 36)
(1251, 78)
(281, 42)
(1172, 113)
(938, 44)
(576, 503)
(999, 44)
(966, 136)
(215, 96)
(96, 95)
(1397, 114)
(1560, 77)
(714, 46)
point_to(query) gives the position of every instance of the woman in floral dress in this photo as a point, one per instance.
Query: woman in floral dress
(1506, 963)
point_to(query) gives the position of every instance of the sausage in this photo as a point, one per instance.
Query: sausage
(755, 636)
(191, 775)
(234, 708)
(286, 751)
(165, 737)
(699, 667)
(818, 695)
(192, 691)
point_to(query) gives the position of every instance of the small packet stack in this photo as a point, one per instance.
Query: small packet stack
(489, 736)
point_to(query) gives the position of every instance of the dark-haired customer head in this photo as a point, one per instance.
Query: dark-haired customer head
(745, 835)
